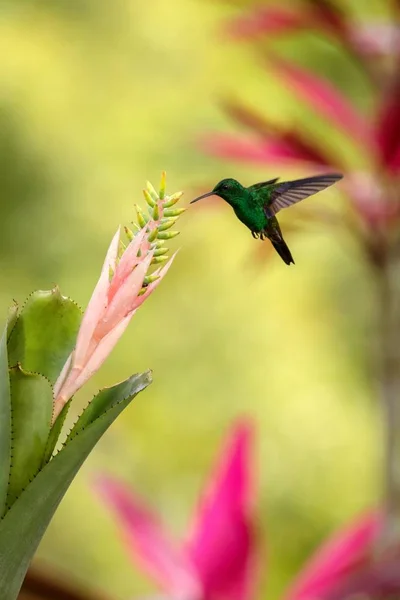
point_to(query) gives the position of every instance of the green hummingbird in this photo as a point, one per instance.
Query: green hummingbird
(257, 205)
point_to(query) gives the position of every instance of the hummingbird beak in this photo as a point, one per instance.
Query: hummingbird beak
(203, 196)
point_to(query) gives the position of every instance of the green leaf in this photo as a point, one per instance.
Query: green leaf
(31, 412)
(45, 333)
(102, 402)
(12, 318)
(5, 423)
(25, 523)
(55, 432)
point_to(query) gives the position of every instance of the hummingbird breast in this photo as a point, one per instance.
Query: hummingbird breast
(252, 215)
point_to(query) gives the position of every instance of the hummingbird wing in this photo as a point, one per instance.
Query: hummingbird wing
(258, 186)
(290, 192)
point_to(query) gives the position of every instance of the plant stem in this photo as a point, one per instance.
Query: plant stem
(389, 282)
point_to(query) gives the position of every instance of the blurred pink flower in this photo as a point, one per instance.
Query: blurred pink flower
(336, 561)
(122, 287)
(218, 561)
(321, 15)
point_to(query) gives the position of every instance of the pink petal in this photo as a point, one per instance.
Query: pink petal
(325, 99)
(125, 298)
(147, 541)
(278, 151)
(128, 262)
(222, 546)
(62, 376)
(388, 129)
(339, 557)
(97, 304)
(101, 352)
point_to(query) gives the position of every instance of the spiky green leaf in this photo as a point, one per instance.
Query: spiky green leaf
(25, 523)
(5, 422)
(44, 333)
(31, 412)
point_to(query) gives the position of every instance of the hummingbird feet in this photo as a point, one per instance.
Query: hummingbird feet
(257, 235)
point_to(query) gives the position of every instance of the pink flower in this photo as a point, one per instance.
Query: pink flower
(124, 285)
(218, 559)
(337, 561)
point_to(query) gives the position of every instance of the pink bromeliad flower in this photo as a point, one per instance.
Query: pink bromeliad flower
(124, 284)
(218, 560)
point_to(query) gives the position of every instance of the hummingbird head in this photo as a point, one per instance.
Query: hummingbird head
(227, 189)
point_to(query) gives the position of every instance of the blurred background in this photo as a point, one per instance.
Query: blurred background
(95, 98)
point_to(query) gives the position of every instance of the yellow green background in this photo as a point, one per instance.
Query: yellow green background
(96, 97)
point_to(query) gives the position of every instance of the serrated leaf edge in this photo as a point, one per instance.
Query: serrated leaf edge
(69, 439)
(19, 367)
(55, 290)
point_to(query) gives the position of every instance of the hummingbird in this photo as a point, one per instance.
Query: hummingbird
(257, 205)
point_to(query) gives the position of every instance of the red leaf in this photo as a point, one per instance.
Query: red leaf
(146, 540)
(222, 544)
(388, 129)
(327, 13)
(324, 98)
(284, 150)
(267, 20)
(278, 20)
(379, 580)
(335, 560)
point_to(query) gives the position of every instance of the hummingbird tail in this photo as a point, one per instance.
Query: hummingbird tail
(283, 250)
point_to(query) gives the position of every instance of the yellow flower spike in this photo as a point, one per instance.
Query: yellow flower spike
(167, 235)
(159, 243)
(110, 273)
(153, 235)
(148, 198)
(173, 212)
(158, 259)
(142, 219)
(167, 224)
(162, 185)
(129, 233)
(152, 191)
(160, 251)
(156, 212)
(173, 199)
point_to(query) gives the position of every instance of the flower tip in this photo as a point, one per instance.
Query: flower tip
(156, 212)
(148, 198)
(162, 185)
(129, 233)
(167, 235)
(56, 292)
(173, 199)
(151, 191)
(142, 219)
